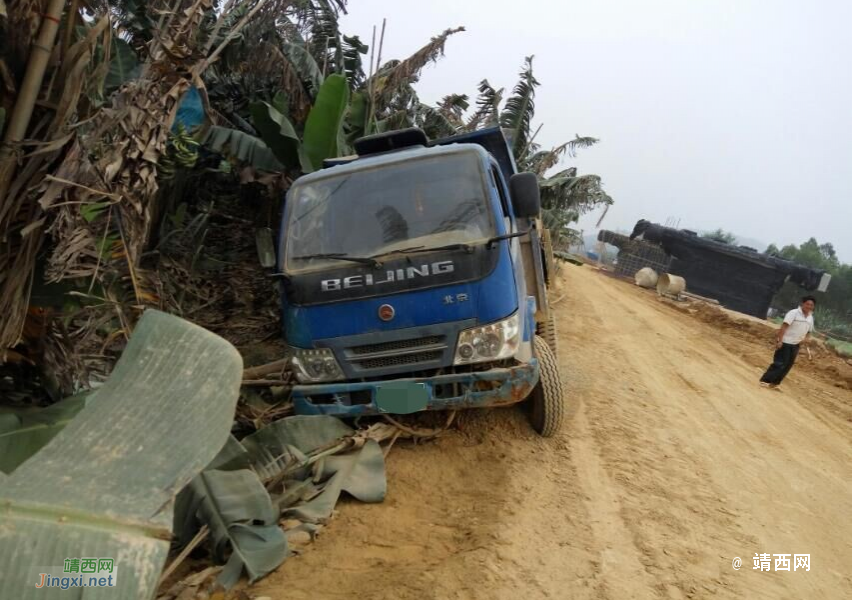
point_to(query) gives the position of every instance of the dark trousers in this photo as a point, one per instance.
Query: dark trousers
(785, 356)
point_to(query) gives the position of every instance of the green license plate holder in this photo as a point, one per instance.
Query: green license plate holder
(402, 397)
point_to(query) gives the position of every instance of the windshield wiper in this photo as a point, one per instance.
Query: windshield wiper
(499, 238)
(418, 249)
(341, 256)
(459, 246)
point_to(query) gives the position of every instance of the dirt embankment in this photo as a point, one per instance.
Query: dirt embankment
(676, 463)
(825, 362)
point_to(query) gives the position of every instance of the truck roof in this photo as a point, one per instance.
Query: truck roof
(493, 140)
(359, 163)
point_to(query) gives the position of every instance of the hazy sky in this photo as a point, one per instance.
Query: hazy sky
(722, 113)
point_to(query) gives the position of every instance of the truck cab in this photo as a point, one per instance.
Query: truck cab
(414, 279)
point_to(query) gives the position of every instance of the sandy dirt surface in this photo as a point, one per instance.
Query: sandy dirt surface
(675, 463)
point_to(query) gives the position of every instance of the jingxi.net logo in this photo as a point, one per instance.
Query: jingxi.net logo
(79, 572)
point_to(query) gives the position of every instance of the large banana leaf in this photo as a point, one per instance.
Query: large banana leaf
(278, 133)
(230, 498)
(356, 116)
(123, 65)
(239, 512)
(272, 447)
(25, 432)
(243, 147)
(104, 486)
(304, 64)
(519, 110)
(325, 121)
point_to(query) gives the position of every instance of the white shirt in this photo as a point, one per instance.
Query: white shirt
(798, 326)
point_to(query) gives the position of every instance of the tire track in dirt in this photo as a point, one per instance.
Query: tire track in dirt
(711, 437)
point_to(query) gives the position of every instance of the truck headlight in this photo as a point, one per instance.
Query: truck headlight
(489, 342)
(315, 365)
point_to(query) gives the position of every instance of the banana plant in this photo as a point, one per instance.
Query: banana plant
(323, 135)
(324, 128)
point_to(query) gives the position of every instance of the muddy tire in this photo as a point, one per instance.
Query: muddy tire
(547, 400)
(547, 330)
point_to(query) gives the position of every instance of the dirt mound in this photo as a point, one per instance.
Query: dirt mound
(826, 362)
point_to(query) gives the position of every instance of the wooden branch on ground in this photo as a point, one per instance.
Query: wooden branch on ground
(260, 371)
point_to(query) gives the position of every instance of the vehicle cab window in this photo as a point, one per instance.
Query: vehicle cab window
(497, 182)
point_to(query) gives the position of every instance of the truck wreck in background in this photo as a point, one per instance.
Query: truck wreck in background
(740, 278)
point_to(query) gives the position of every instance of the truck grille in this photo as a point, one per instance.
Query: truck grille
(397, 345)
(395, 361)
(421, 352)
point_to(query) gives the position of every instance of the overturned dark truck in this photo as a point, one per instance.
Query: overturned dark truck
(740, 278)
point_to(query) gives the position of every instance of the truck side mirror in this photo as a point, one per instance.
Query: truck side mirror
(526, 198)
(265, 247)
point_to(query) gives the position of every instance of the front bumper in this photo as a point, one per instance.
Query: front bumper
(495, 387)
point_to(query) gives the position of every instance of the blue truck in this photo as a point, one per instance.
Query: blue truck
(414, 277)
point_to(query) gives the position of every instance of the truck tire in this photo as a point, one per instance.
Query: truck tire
(547, 400)
(547, 330)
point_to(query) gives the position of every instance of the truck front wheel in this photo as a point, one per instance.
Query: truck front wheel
(547, 401)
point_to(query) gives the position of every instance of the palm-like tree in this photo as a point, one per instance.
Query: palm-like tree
(565, 195)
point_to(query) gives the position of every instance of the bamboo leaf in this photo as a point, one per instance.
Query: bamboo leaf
(326, 120)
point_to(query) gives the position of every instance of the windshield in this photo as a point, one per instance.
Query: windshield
(424, 202)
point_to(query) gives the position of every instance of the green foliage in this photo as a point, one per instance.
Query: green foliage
(181, 153)
(23, 432)
(91, 210)
(123, 66)
(721, 236)
(278, 133)
(519, 110)
(240, 514)
(844, 348)
(565, 195)
(434, 122)
(353, 64)
(356, 118)
(118, 464)
(304, 64)
(136, 19)
(242, 147)
(834, 307)
(487, 112)
(325, 121)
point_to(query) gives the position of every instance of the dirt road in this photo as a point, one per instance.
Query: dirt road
(675, 463)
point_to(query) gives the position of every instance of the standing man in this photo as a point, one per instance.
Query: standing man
(797, 326)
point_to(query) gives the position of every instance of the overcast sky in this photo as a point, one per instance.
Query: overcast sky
(720, 113)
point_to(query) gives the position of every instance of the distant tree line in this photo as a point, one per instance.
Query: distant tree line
(720, 235)
(834, 307)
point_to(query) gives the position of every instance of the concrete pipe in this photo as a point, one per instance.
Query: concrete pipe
(670, 285)
(646, 277)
